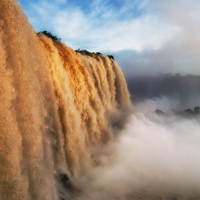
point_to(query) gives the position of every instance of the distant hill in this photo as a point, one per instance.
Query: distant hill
(183, 88)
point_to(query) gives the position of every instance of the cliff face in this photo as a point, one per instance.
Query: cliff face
(53, 107)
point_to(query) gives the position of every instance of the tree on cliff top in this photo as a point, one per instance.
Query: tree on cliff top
(111, 57)
(48, 34)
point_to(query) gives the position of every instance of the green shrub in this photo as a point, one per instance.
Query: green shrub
(48, 34)
(87, 53)
(111, 57)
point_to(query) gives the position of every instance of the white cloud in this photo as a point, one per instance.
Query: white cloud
(103, 29)
(181, 53)
(153, 157)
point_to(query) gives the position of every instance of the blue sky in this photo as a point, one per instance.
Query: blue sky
(145, 36)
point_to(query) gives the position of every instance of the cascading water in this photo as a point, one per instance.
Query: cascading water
(53, 107)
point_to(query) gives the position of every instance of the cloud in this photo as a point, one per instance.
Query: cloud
(158, 36)
(168, 59)
(105, 27)
(180, 54)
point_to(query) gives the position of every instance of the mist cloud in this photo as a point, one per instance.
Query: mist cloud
(153, 157)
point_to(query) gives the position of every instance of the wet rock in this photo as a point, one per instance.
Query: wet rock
(188, 112)
(197, 110)
(64, 179)
(159, 112)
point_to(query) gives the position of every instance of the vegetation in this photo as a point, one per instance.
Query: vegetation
(48, 34)
(87, 53)
(111, 57)
(91, 54)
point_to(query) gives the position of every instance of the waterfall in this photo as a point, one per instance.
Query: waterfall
(54, 105)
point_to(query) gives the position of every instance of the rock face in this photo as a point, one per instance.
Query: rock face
(190, 112)
(159, 112)
(53, 108)
(197, 110)
(186, 113)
